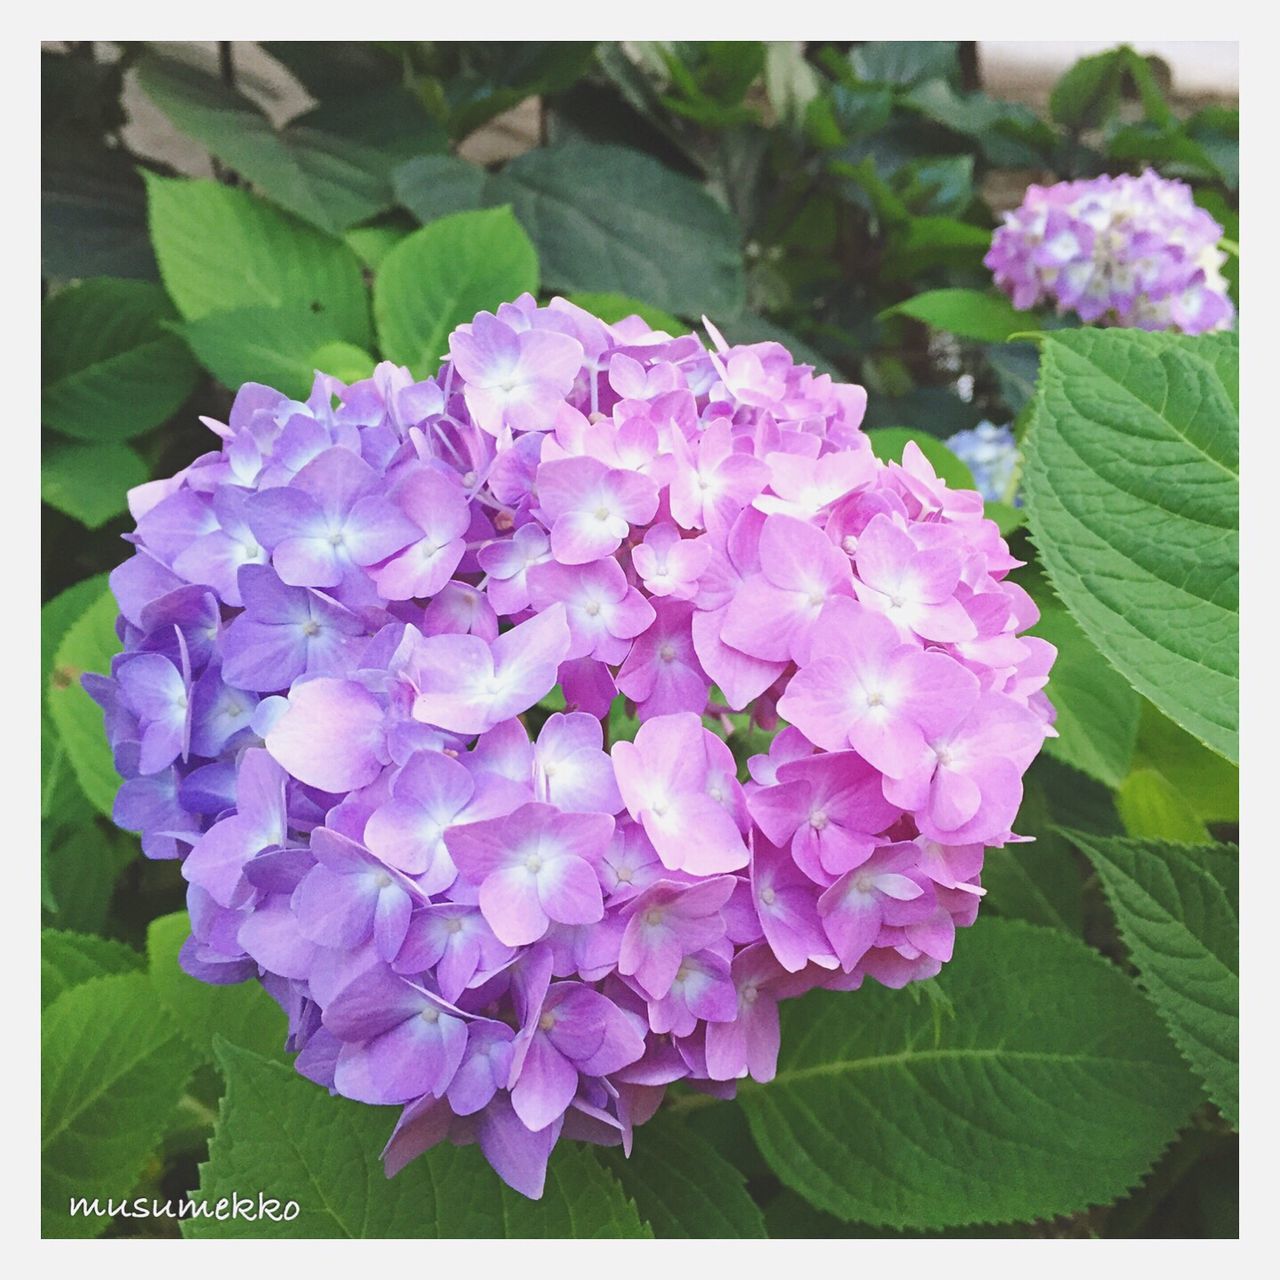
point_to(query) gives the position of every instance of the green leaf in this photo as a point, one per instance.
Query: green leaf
(888, 443)
(222, 249)
(112, 1069)
(273, 345)
(1098, 712)
(929, 242)
(905, 62)
(372, 244)
(439, 277)
(1178, 909)
(967, 313)
(612, 307)
(82, 858)
(1132, 489)
(683, 1187)
(611, 220)
(1208, 784)
(330, 1167)
(93, 210)
(67, 959)
(87, 646)
(109, 369)
(1149, 806)
(432, 187)
(1088, 92)
(57, 782)
(1051, 1088)
(343, 360)
(325, 167)
(241, 1012)
(1039, 882)
(88, 482)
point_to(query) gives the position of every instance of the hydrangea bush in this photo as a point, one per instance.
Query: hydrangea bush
(1131, 251)
(439, 688)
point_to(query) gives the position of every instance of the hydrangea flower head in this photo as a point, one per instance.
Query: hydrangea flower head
(1136, 252)
(373, 647)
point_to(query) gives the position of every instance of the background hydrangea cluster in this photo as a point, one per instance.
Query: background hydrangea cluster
(341, 632)
(990, 451)
(1131, 251)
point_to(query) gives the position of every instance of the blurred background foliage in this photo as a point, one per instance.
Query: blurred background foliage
(214, 214)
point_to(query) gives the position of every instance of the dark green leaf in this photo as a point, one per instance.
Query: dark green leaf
(906, 62)
(1044, 1093)
(611, 220)
(330, 1167)
(109, 369)
(683, 1187)
(432, 187)
(93, 211)
(332, 167)
(1041, 881)
(1089, 92)
(1178, 908)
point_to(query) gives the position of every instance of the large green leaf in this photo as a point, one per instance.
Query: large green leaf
(315, 168)
(1132, 489)
(93, 209)
(87, 646)
(1097, 709)
(611, 220)
(1178, 908)
(279, 346)
(1208, 784)
(1151, 807)
(67, 959)
(112, 1069)
(328, 1164)
(683, 1186)
(439, 277)
(967, 313)
(240, 1012)
(109, 369)
(221, 249)
(88, 482)
(1038, 881)
(1089, 91)
(1052, 1086)
(432, 187)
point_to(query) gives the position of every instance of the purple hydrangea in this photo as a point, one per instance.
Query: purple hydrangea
(372, 647)
(1128, 251)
